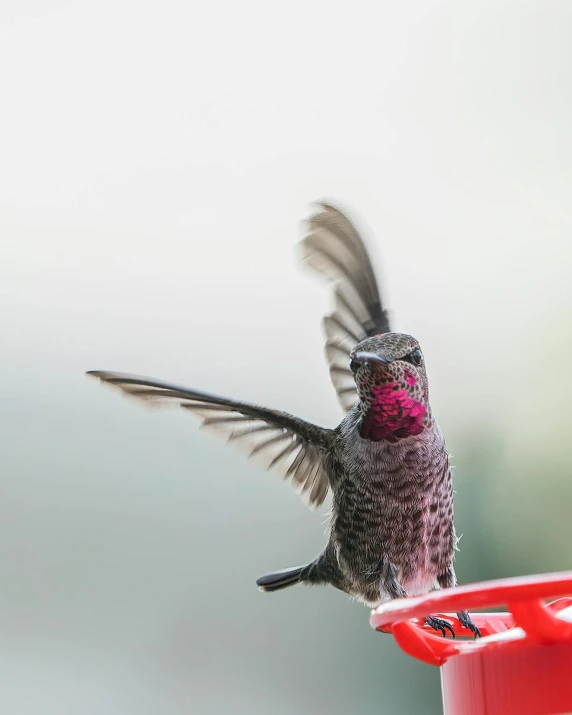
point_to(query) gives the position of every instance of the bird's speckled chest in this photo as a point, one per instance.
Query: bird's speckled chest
(392, 503)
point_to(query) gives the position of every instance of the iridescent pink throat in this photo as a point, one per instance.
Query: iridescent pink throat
(392, 414)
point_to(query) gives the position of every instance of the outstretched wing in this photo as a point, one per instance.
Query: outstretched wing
(333, 248)
(296, 446)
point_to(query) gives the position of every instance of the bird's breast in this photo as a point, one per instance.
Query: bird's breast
(395, 497)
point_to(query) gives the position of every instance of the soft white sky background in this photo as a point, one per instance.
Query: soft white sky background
(155, 160)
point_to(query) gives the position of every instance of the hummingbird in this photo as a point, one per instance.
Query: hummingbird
(391, 531)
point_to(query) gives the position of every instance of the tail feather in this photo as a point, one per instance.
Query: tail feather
(280, 579)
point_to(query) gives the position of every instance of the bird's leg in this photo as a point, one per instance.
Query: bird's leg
(439, 624)
(389, 582)
(466, 622)
(449, 580)
(391, 585)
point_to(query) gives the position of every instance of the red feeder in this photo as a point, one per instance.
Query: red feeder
(523, 663)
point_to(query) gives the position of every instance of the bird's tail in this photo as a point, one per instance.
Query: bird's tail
(280, 579)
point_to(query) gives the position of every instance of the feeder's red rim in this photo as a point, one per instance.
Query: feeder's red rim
(488, 594)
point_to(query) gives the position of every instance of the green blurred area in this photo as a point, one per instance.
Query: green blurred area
(131, 543)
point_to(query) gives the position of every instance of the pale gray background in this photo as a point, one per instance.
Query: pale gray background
(155, 160)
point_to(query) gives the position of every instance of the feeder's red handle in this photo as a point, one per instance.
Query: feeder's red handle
(529, 619)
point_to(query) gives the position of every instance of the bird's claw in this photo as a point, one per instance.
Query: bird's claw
(467, 623)
(441, 625)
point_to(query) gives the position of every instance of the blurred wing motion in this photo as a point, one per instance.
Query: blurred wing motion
(333, 248)
(298, 447)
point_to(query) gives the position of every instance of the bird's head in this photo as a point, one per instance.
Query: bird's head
(391, 381)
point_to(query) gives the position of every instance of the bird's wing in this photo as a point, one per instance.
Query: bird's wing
(333, 248)
(296, 446)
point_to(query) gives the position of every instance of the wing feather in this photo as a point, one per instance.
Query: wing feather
(298, 447)
(333, 248)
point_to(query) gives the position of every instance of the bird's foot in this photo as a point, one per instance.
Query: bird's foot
(466, 622)
(440, 625)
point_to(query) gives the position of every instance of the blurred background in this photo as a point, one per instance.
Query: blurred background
(156, 159)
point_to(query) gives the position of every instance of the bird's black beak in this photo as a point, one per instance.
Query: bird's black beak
(372, 358)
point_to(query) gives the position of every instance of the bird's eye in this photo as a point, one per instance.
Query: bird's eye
(415, 357)
(354, 366)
